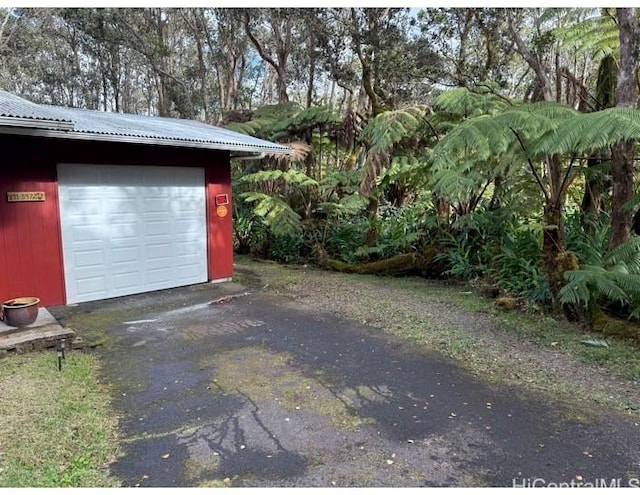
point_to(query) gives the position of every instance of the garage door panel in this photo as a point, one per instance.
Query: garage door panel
(126, 280)
(131, 229)
(89, 258)
(92, 286)
(157, 205)
(125, 254)
(156, 252)
(157, 228)
(159, 276)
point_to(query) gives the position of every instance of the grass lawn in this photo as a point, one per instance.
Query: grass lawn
(56, 427)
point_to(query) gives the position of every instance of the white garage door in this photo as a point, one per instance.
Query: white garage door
(129, 229)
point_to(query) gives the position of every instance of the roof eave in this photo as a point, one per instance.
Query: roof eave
(178, 143)
(30, 123)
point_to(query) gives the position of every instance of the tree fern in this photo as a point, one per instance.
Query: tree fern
(338, 184)
(531, 120)
(404, 170)
(466, 103)
(584, 133)
(596, 33)
(617, 280)
(272, 193)
(349, 205)
(275, 213)
(313, 117)
(291, 177)
(484, 137)
(251, 128)
(389, 128)
(269, 121)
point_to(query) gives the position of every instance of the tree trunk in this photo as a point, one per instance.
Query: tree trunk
(312, 71)
(596, 184)
(372, 231)
(622, 178)
(622, 156)
(594, 191)
(554, 257)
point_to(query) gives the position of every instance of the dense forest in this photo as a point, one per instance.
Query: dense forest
(495, 146)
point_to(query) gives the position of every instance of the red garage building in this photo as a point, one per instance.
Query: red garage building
(96, 205)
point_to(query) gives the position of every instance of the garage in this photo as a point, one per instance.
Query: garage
(97, 205)
(128, 229)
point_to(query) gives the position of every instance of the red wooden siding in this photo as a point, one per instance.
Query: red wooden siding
(220, 228)
(30, 244)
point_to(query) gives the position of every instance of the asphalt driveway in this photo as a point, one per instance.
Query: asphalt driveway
(221, 385)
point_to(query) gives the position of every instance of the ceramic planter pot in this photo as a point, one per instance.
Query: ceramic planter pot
(20, 312)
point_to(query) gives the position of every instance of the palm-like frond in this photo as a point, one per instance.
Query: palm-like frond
(313, 117)
(628, 252)
(404, 169)
(534, 119)
(587, 132)
(476, 139)
(347, 206)
(597, 33)
(389, 128)
(481, 138)
(251, 128)
(299, 152)
(340, 182)
(275, 212)
(291, 176)
(466, 103)
(616, 280)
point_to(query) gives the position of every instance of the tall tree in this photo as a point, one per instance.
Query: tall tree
(622, 164)
(271, 32)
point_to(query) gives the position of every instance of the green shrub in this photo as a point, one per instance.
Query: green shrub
(613, 278)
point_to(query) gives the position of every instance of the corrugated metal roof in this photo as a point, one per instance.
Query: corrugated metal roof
(14, 106)
(109, 126)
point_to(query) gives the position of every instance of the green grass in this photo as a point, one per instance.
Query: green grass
(56, 427)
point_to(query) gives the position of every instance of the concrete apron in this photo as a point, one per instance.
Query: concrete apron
(257, 390)
(45, 332)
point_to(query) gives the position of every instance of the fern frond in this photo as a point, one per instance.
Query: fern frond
(389, 128)
(628, 252)
(299, 152)
(404, 169)
(476, 138)
(261, 176)
(313, 117)
(612, 291)
(344, 181)
(347, 206)
(298, 178)
(249, 128)
(597, 34)
(617, 280)
(534, 119)
(275, 213)
(291, 176)
(628, 282)
(465, 103)
(587, 132)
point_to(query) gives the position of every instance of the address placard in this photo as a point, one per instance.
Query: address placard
(15, 197)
